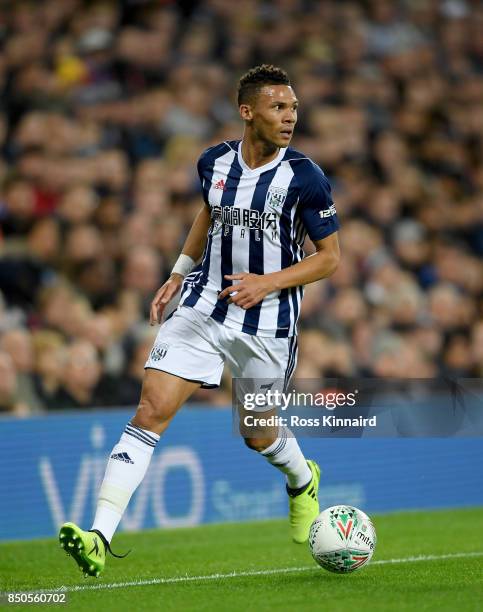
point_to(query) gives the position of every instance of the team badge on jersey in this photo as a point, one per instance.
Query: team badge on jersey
(276, 196)
(159, 352)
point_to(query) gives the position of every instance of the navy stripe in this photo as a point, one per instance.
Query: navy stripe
(255, 258)
(300, 234)
(293, 291)
(297, 255)
(130, 433)
(289, 360)
(292, 360)
(274, 452)
(201, 280)
(227, 199)
(292, 154)
(300, 237)
(197, 286)
(139, 435)
(191, 279)
(280, 446)
(143, 432)
(283, 318)
(295, 308)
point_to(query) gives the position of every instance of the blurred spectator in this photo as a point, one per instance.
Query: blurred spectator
(105, 109)
(142, 273)
(10, 401)
(17, 343)
(49, 349)
(81, 379)
(128, 388)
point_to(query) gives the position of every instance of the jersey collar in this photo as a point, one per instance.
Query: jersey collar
(260, 169)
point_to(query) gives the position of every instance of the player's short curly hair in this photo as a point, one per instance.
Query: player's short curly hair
(252, 81)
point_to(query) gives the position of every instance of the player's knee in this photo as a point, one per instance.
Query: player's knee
(155, 408)
(258, 444)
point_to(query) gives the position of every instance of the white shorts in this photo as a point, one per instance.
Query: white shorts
(194, 346)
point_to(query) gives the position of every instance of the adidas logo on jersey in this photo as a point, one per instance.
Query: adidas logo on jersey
(122, 457)
(220, 185)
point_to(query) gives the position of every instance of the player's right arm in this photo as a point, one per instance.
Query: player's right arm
(193, 247)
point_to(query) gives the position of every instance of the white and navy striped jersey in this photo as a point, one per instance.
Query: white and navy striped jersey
(260, 218)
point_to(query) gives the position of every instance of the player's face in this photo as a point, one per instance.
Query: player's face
(273, 114)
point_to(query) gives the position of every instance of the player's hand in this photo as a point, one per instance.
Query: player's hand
(249, 291)
(163, 296)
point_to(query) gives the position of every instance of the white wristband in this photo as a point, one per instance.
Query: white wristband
(183, 265)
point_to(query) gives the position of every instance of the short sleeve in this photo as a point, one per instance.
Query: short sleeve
(202, 168)
(317, 209)
(205, 166)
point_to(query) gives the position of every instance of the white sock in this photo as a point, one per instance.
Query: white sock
(127, 465)
(285, 455)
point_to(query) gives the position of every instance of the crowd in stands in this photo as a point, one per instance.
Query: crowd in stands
(105, 107)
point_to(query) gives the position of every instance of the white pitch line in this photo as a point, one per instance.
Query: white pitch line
(427, 558)
(266, 572)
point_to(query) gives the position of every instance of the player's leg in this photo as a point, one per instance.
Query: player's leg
(284, 453)
(276, 359)
(184, 357)
(303, 476)
(162, 396)
(268, 363)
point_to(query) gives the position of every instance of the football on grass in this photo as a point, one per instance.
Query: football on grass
(342, 539)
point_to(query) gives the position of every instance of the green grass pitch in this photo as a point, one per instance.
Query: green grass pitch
(254, 566)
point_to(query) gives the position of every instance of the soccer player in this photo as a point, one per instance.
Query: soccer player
(238, 306)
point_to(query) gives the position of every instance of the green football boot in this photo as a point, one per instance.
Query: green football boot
(87, 548)
(304, 506)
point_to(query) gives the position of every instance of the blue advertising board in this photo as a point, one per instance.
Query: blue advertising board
(51, 468)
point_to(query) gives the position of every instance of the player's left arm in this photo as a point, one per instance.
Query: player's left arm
(252, 288)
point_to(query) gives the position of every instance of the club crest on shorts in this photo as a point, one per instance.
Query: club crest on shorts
(159, 351)
(276, 196)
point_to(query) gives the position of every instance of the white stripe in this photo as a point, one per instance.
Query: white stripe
(272, 255)
(241, 246)
(221, 168)
(230, 575)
